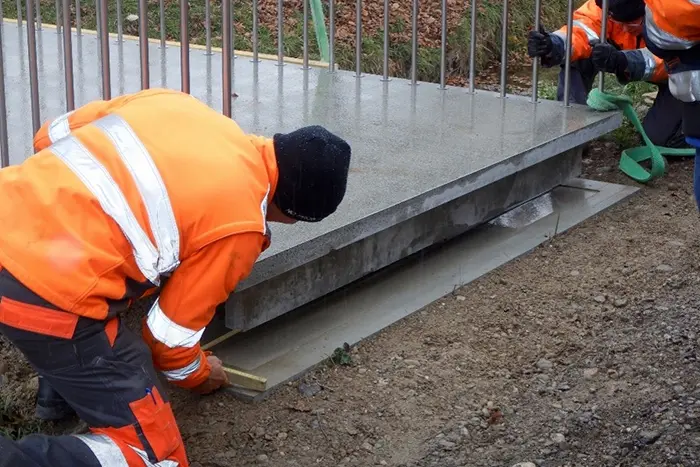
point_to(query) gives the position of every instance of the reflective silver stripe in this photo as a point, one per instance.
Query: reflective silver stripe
(685, 86)
(97, 179)
(105, 450)
(182, 373)
(263, 209)
(664, 39)
(590, 33)
(59, 128)
(168, 331)
(147, 462)
(151, 187)
(649, 64)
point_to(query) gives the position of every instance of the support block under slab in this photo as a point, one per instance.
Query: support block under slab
(278, 295)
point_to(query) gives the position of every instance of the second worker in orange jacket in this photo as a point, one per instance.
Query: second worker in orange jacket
(152, 190)
(625, 54)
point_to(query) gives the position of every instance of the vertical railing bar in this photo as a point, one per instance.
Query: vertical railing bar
(567, 62)
(4, 137)
(104, 46)
(120, 22)
(385, 63)
(472, 48)
(331, 33)
(19, 12)
(97, 19)
(227, 96)
(536, 60)
(255, 30)
(68, 56)
(78, 19)
(443, 45)
(185, 46)
(305, 34)
(603, 39)
(33, 67)
(143, 44)
(358, 39)
(161, 9)
(504, 50)
(58, 17)
(207, 23)
(37, 6)
(280, 32)
(414, 43)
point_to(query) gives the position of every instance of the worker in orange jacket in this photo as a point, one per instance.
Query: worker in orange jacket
(148, 190)
(672, 32)
(625, 54)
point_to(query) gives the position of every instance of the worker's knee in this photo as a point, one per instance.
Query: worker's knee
(691, 120)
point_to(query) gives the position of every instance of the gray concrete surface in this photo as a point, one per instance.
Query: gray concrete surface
(287, 347)
(278, 295)
(415, 148)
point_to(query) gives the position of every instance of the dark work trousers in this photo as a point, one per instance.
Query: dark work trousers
(104, 372)
(662, 122)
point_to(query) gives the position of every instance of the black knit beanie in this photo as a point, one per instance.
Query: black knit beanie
(624, 11)
(313, 168)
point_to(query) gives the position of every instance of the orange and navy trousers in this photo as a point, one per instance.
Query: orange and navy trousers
(104, 372)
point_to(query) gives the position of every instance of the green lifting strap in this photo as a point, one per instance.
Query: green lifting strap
(319, 20)
(630, 159)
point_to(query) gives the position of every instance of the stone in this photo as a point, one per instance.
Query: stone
(262, 458)
(410, 362)
(590, 373)
(664, 268)
(309, 390)
(367, 447)
(544, 364)
(599, 298)
(649, 436)
(132, 18)
(282, 435)
(460, 298)
(446, 445)
(558, 438)
(620, 302)
(525, 464)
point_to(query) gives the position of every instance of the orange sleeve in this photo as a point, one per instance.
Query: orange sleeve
(187, 303)
(587, 26)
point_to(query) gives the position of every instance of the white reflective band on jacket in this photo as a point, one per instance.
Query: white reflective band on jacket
(591, 35)
(108, 453)
(649, 64)
(664, 39)
(154, 261)
(685, 85)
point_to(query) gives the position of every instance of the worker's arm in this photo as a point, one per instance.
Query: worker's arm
(586, 33)
(629, 65)
(187, 303)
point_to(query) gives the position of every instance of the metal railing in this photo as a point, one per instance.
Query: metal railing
(64, 22)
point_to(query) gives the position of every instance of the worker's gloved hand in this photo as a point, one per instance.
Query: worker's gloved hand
(607, 58)
(217, 377)
(539, 44)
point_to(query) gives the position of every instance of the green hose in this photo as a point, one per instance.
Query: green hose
(630, 158)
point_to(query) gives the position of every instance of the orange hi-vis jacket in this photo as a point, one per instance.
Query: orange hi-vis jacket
(152, 189)
(587, 27)
(672, 31)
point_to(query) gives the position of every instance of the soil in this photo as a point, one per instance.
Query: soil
(582, 353)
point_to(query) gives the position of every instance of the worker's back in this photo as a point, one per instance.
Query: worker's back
(55, 236)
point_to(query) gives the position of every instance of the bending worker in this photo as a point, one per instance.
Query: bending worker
(148, 190)
(672, 32)
(624, 54)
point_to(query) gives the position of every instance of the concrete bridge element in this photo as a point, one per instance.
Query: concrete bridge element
(430, 162)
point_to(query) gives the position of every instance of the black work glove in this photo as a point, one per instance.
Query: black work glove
(607, 58)
(539, 44)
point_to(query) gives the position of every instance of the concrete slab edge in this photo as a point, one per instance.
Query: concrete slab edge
(488, 251)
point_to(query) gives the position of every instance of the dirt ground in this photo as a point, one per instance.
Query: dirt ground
(581, 353)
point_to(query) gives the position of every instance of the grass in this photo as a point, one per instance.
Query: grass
(428, 64)
(13, 424)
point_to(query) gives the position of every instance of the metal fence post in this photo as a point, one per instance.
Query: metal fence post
(226, 58)
(207, 24)
(33, 67)
(4, 140)
(104, 47)
(331, 38)
(280, 32)
(603, 38)
(443, 44)
(385, 63)
(120, 22)
(504, 50)
(256, 20)
(536, 60)
(358, 39)
(185, 46)
(68, 56)
(567, 63)
(78, 19)
(472, 47)
(414, 43)
(143, 44)
(161, 9)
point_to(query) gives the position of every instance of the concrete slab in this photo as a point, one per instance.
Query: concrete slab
(415, 148)
(285, 348)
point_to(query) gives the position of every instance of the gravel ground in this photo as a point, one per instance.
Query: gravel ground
(581, 353)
